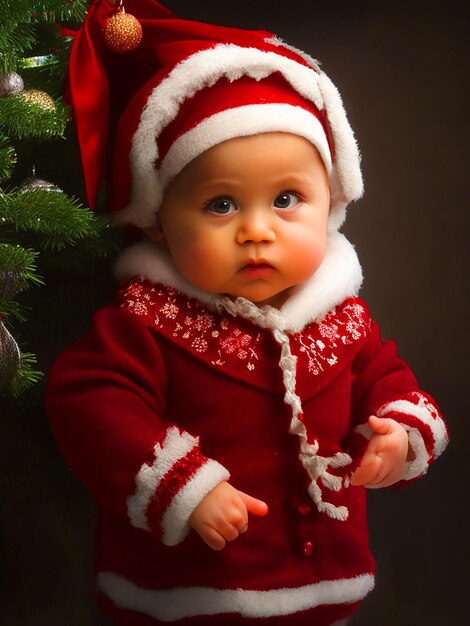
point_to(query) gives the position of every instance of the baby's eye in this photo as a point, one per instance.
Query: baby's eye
(286, 200)
(221, 206)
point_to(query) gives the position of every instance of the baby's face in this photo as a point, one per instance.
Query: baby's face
(248, 217)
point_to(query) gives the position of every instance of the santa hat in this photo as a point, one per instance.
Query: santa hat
(190, 86)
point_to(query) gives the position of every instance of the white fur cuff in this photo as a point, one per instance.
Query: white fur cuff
(175, 523)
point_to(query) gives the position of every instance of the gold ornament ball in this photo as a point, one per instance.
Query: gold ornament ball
(122, 33)
(39, 98)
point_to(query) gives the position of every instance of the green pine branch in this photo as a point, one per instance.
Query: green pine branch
(37, 222)
(61, 220)
(7, 158)
(60, 10)
(26, 376)
(19, 23)
(17, 272)
(16, 33)
(46, 69)
(21, 118)
(26, 11)
(14, 13)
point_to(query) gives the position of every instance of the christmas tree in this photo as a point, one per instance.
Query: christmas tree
(41, 225)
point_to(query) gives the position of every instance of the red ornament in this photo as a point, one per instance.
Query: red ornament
(123, 32)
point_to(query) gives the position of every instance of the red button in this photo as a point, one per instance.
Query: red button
(303, 508)
(307, 548)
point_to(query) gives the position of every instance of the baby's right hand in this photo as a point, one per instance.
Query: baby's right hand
(223, 514)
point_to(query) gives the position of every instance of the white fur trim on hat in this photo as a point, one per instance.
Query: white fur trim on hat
(204, 69)
(241, 122)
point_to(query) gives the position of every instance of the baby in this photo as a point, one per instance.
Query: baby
(228, 409)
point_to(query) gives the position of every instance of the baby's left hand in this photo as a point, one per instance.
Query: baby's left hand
(384, 461)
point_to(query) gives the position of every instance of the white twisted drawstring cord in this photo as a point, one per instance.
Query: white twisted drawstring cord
(315, 465)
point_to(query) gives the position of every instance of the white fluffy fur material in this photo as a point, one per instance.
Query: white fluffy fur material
(241, 122)
(204, 69)
(277, 41)
(419, 465)
(426, 414)
(175, 523)
(175, 446)
(338, 277)
(170, 605)
(423, 413)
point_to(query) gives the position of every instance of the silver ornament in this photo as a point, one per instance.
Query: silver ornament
(10, 83)
(9, 356)
(9, 284)
(33, 183)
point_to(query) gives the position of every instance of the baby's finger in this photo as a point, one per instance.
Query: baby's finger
(229, 531)
(386, 478)
(253, 505)
(213, 538)
(379, 480)
(367, 472)
(381, 425)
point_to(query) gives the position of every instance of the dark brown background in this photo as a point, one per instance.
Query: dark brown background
(403, 72)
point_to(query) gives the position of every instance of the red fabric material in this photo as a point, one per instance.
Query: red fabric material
(108, 91)
(89, 95)
(172, 483)
(115, 393)
(118, 381)
(228, 95)
(91, 70)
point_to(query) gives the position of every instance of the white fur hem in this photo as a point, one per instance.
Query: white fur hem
(175, 522)
(170, 605)
(241, 122)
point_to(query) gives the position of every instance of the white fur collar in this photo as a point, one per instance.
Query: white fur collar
(338, 277)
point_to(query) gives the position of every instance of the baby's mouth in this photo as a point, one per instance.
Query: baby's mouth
(257, 268)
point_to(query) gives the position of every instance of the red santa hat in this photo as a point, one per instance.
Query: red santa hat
(190, 86)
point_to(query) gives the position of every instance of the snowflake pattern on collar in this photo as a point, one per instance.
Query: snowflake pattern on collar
(225, 340)
(216, 336)
(318, 346)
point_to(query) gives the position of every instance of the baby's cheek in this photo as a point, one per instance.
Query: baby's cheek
(308, 255)
(202, 264)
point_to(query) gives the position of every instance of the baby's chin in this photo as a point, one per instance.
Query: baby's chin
(275, 300)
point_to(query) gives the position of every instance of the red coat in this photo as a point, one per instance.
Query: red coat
(167, 396)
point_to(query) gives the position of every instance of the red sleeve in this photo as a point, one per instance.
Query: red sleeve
(105, 400)
(384, 385)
